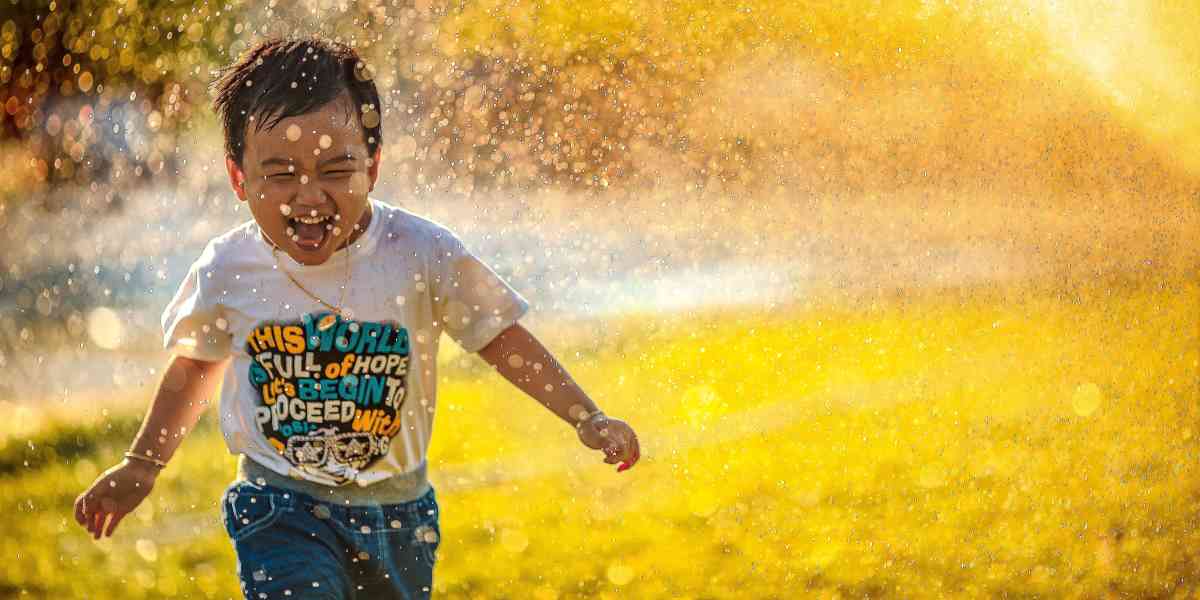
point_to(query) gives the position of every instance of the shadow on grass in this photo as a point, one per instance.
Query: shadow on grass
(68, 441)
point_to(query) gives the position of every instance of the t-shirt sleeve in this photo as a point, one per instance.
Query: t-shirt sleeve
(193, 323)
(470, 301)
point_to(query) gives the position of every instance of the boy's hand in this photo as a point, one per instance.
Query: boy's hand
(115, 492)
(614, 436)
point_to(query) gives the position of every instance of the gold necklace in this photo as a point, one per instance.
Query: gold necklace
(328, 320)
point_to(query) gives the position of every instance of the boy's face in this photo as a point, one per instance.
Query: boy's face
(312, 164)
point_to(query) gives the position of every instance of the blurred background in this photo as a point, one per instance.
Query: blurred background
(901, 221)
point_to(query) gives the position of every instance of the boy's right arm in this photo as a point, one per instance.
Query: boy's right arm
(181, 398)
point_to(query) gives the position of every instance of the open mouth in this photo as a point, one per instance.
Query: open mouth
(311, 232)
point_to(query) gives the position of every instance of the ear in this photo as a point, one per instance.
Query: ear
(236, 178)
(373, 170)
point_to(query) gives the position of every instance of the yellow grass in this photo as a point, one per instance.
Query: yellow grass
(960, 443)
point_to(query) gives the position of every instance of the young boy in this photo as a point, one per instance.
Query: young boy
(328, 306)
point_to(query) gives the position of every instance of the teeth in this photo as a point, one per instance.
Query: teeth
(311, 220)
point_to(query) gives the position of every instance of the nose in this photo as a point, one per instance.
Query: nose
(310, 196)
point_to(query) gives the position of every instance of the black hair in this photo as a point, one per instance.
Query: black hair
(287, 77)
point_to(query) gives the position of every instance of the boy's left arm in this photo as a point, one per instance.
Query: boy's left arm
(525, 362)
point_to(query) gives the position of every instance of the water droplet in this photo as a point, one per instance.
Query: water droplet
(147, 549)
(370, 119)
(363, 71)
(620, 573)
(430, 535)
(515, 361)
(285, 210)
(325, 141)
(105, 328)
(1086, 399)
(304, 180)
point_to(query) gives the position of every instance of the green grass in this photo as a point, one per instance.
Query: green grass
(959, 443)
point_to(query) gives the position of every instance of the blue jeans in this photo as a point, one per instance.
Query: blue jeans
(292, 545)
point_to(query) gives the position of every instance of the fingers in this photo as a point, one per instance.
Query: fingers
(85, 512)
(79, 516)
(623, 447)
(96, 525)
(95, 521)
(635, 452)
(112, 526)
(619, 444)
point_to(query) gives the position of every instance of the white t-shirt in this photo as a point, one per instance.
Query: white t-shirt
(356, 401)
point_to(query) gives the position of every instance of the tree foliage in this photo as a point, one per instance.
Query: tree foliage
(95, 92)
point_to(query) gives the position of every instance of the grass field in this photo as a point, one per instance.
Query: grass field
(952, 443)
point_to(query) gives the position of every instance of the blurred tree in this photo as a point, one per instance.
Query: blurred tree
(94, 92)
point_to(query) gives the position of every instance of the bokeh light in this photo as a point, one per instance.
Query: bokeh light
(901, 297)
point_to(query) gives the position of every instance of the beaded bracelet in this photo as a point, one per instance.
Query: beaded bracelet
(158, 463)
(580, 422)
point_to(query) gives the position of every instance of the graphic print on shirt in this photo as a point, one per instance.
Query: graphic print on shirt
(330, 399)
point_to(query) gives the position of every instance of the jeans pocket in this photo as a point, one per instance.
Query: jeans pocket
(246, 509)
(428, 537)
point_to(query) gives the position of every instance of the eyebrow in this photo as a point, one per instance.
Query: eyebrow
(285, 162)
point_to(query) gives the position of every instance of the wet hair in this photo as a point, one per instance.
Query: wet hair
(260, 84)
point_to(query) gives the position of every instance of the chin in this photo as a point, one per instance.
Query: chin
(310, 257)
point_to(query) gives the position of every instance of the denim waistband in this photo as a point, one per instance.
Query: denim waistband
(355, 519)
(402, 487)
